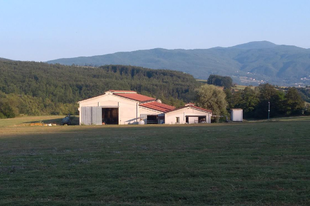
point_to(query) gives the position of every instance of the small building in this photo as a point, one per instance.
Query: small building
(128, 107)
(189, 114)
(236, 115)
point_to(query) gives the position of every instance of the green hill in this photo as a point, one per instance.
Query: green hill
(41, 88)
(251, 63)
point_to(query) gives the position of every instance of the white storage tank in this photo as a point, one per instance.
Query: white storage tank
(236, 115)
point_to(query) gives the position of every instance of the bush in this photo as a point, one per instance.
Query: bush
(2, 116)
(6, 110)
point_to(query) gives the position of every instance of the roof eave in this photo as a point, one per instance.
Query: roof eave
(152, 109)
(209, 111)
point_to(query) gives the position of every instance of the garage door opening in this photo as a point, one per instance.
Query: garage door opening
(152, 119)
(195, 119)
(109, 115)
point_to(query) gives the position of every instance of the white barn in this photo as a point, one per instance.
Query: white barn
(128, 107)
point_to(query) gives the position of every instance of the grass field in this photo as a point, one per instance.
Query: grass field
(26, 120)
(254, 163)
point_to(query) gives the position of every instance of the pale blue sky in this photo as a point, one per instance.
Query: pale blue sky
(41, 30)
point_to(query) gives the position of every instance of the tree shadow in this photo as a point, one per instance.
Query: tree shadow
(55, 121)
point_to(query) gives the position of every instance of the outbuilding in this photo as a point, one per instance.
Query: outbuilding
(189, 114)
(236, 115)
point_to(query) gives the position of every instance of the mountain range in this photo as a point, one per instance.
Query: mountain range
(249, 64)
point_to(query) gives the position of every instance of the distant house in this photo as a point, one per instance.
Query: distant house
(128, 107)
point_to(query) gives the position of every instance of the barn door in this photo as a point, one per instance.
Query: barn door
(86, 115)
(96, 115)
(91, 115)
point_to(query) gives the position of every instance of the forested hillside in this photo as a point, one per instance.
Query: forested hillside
(249, 64)
(39, 88)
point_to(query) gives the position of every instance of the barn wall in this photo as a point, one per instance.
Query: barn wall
(128, 109)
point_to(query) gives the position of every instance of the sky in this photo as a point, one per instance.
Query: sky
(42, 30)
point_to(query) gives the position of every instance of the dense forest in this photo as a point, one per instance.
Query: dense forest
(34, 88)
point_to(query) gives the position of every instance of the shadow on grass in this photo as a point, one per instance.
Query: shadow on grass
(58, 121)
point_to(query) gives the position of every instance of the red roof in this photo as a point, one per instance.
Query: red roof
(158, 106)
(135, 96)
(122, 91)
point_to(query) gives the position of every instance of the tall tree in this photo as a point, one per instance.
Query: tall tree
(293, 101)
(268, 93)
(212, 97)
(249, 101)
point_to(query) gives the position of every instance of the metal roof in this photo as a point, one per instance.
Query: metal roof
(135, 96)
(158, 106)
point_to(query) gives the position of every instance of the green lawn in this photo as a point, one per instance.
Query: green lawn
(255, 163)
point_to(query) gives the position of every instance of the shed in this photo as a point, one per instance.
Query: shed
(236, 115)
(189, 114)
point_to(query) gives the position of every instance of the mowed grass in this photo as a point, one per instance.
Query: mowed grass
(264, 163)
(26, 120)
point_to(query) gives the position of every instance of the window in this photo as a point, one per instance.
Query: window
(177, 120)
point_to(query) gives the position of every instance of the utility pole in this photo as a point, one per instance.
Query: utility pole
(268, 110)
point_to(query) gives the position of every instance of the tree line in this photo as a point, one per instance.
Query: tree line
(254, 101)
(34, 88)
